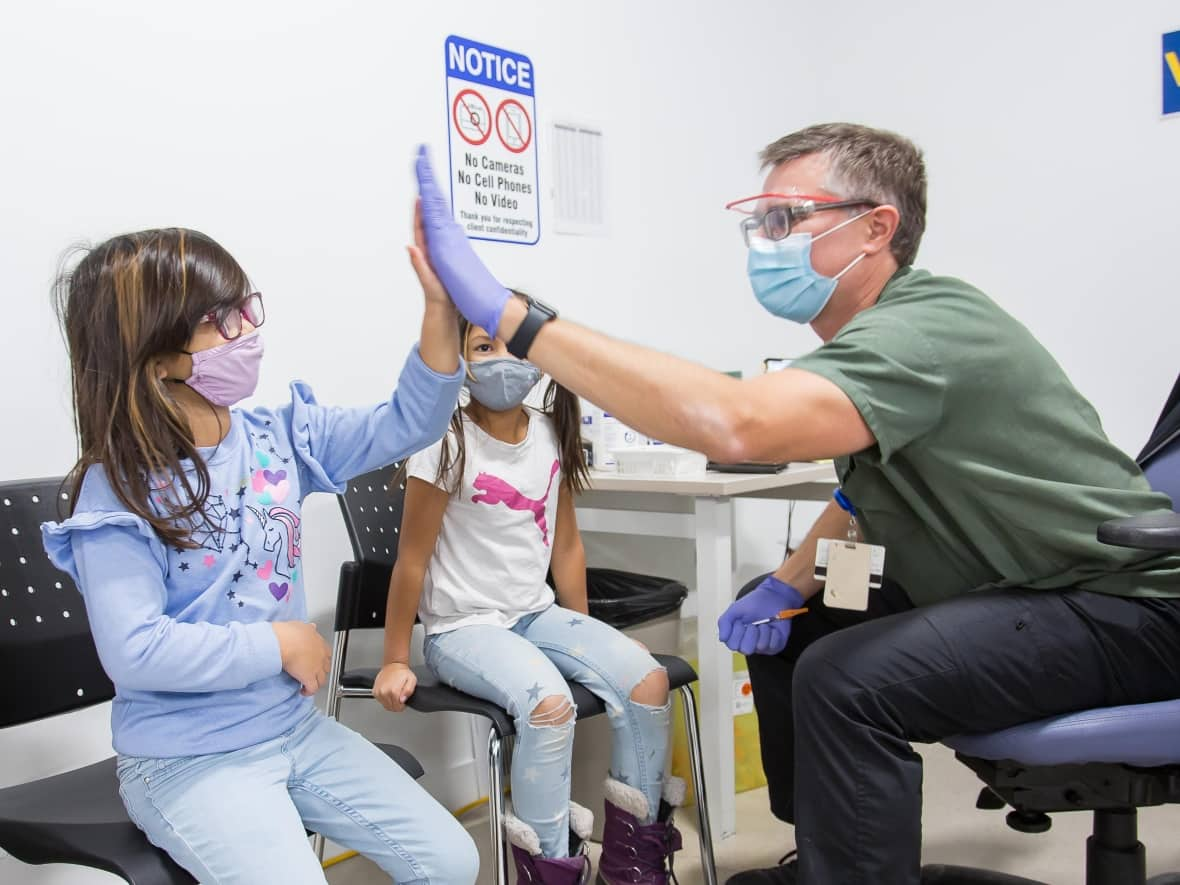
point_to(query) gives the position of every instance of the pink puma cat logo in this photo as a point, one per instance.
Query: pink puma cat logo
(494, 490)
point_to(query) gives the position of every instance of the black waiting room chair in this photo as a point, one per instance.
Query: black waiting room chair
(45, 645)
(53, 668)
(372, 507)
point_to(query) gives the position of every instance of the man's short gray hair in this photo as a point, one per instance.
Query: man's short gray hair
(870, 163)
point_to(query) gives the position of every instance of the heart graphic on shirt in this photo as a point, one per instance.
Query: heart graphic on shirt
(272, 486)
(263, 458)
(279, 591)
(266, 571)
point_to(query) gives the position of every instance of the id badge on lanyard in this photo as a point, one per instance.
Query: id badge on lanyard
(847, 567)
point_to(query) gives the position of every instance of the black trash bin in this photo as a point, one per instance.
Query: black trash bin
(626, 599)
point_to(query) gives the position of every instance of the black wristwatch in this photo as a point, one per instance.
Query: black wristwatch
(539, 314)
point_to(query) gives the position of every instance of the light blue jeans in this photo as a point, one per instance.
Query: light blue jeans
(239, 817)
(522, 667)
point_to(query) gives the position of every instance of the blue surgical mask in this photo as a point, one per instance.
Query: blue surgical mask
(784, 280)
(502, 384)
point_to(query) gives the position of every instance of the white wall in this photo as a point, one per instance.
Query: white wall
(286, 130)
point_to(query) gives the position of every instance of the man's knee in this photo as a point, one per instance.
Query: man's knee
(652, 690)
(826, 673)
(871, 673)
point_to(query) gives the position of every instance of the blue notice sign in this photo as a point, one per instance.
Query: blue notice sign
(491, 133)
(480, 63)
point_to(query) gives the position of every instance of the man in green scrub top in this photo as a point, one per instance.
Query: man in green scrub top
(961, 447)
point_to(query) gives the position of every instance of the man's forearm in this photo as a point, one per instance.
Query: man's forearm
(662, 396)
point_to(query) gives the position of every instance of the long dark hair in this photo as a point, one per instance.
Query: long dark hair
(127, 303)
(559, 404)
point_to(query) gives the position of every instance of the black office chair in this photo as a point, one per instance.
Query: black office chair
(45, 645)
(1110, 761)
(46, 648)
(372, 508)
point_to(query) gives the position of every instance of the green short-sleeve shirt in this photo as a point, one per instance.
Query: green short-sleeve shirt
(989, 469)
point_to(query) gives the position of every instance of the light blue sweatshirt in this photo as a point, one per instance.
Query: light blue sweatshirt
(185, 634)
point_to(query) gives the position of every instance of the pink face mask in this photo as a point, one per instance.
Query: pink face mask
(228, 373)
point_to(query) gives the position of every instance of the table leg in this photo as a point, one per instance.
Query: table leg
(715, 589)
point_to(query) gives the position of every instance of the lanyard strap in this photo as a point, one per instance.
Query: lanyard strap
(846, 506)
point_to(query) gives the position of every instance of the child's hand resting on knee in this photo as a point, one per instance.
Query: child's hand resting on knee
(394, 685)
(306, 656)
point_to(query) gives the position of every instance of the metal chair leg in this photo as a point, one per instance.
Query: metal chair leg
(708, 866)
(496, 809)
(339, 650)
(507, 753)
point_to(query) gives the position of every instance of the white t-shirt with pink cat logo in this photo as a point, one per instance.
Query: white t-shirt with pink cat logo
(492, 556)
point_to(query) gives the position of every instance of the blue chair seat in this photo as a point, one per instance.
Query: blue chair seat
(1140, 735)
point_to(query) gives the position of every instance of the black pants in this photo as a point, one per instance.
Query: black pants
(839, 707)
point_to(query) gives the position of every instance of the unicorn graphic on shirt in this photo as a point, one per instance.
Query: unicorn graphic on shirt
(283, 540)
(494, 490)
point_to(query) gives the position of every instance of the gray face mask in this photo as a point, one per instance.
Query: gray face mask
(502, 384)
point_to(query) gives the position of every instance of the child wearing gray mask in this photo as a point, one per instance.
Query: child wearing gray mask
(489, 511)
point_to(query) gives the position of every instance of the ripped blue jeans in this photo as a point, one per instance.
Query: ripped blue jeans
(524, 670)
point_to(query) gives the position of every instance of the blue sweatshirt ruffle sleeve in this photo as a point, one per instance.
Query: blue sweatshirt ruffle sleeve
(120, 566)
(334, 444)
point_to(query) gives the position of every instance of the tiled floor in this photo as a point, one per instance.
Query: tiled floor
(955, 832)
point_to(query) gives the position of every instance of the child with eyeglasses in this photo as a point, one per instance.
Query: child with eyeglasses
(185, 539)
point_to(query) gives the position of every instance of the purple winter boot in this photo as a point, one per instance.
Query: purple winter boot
(635, 853)
(533, 868)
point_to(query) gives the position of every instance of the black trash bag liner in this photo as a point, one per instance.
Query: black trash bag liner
(624, 599)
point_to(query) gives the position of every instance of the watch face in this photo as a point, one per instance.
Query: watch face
(544, 308)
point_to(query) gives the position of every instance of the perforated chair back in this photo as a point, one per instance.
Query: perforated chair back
(45, 643)
(372, 509)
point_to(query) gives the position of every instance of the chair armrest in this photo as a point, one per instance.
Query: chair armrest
(1151, 531)
(680, 672)
(404, 758)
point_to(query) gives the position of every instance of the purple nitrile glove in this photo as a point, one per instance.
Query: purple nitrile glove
(476, 293)
(735, 627)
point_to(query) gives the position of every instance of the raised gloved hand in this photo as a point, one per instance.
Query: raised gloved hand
(735, 626)
(477, 294)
